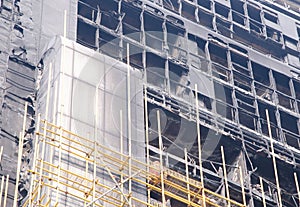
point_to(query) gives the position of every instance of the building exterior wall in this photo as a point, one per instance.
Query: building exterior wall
(243, 55)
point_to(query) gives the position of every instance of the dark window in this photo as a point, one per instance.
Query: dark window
(261, 73)
(273, 34)
(238, 18)
(289, 122)
(109, 44)
(172, 5)
(297, 88)
(247, 110)
(86, 34)
(282, 83)
(254, 13)
(131, 21)
(271, 16)
(155, 70)
(222, 10)
(263, 119)
(298, 31)
(188, 11)
(237, 6)
(205, 18)
(205, 3)
(218, 54)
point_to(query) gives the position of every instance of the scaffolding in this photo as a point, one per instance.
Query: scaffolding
(54, 176)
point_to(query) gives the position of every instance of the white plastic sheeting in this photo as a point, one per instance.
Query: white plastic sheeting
(78, 74)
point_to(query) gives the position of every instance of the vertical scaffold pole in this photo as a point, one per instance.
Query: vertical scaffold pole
(274, 159)
(20, 152)
(147, 135)
(34, 163)
(129, 124)
(53, 136)
(95, 142)
(225, 176)
(63, 65)
(54, 113)
(161, 160)
(297, 186)
(59, 163)
(94, 172)
(53, 139)
(2, 181)
(121, 151)
(187, 175)
(242, 186)
(199, 146)
(63, 68)
(262, 192)
(6, 190)
(86, 175)
(44, 133)
(1, 189)
(65, 23)
(1, 152)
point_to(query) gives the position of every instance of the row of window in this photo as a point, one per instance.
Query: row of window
(131, 19)
(239, 9)
(236, 22)
(228, 101)
(227, 64)
(232, 102)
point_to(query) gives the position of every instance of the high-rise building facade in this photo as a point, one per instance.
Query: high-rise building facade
(205, 93)
(244, 57)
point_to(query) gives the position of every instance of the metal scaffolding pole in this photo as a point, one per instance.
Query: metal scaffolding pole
(242, 186)
(118, 185)
(95, 141)
(33, 176)
(147, 133)
(129, 123)
(95, 144)
(94, 172)
(225, 176)
(1, 189)
(274, 159)
(54, 114)
(65, 23)
(1, 153)
(51, 154)
(262, 192)
(44, 133)
(199, 146)
(115, 181)
(59, 164)
(297, 186)
(20, 153)
(187, 175)
(161, 160)
(79, 186)
(6, 191)
(121, 151)
(86, 176)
